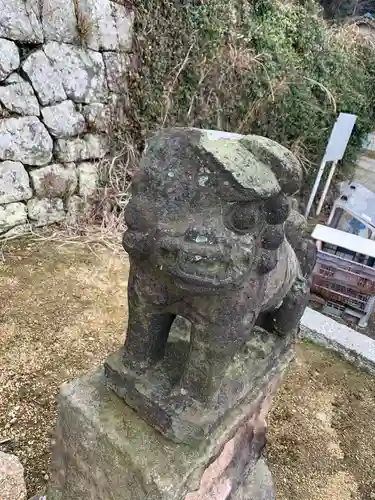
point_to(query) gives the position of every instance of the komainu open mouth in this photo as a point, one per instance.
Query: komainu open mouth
(211, 271)
(198, 265)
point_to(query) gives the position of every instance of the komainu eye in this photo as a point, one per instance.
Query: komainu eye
(242, 218)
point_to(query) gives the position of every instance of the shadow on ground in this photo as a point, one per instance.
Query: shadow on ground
(63, 309)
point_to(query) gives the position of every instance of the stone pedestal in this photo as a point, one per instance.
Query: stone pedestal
(105, 451)
(180, 417)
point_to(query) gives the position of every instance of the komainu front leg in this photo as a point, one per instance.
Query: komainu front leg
(208, 359)
(147, 336)
(147, 333)
(149, 323)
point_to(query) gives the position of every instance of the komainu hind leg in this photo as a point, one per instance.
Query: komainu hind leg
(285, 319)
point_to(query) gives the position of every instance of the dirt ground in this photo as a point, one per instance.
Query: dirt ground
(63, 309)
(322, 430)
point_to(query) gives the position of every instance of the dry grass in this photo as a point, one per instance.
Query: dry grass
(84, 24)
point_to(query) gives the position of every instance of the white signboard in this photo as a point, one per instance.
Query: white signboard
(335, 150)
(340, 136)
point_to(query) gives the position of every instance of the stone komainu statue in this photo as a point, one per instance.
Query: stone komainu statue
(211, 238)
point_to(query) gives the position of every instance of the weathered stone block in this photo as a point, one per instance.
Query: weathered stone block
(12, 483)
(9, 57)
(88, 179)
(33, 11)
(77, 208)
(45, 211)
(257, 486)
(124, 19)
(11, 215)
(17, 231)
(54, 181)
(62, 120)
(18, 96)
(101, 25)
(89, 147)
(25, 139)
(104, 450)
(81, 71)
(59, 21)
(116, 65)
(14, 182)
(19, 21)
(98, 116)
(45, 79)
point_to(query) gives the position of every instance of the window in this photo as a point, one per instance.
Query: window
(329, 248)
(360, 258)
(336, 217)
(344, 221)
(345, 253)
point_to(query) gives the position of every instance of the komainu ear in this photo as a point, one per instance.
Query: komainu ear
(277, 209)
(273, 237)
(282, 162)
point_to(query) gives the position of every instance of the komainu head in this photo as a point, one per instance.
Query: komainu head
(208, 208)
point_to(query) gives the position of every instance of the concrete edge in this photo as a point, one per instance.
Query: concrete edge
(356, 348)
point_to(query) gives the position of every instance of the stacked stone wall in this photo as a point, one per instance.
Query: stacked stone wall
(63, 66)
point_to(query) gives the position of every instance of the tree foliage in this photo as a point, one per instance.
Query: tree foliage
(265, 67)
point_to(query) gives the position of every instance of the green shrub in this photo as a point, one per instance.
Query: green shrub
(266, 67)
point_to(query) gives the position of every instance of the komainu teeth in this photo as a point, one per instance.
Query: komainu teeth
(203, 266)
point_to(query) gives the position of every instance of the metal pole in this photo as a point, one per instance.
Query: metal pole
(315, 187)
(326, 187)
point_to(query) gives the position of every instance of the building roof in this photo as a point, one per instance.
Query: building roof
(351, 242)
